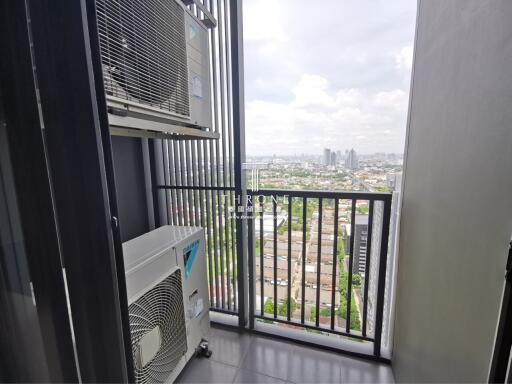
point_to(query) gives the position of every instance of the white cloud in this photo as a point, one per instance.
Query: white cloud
(317, 117)
(311, 90)
(403, 58)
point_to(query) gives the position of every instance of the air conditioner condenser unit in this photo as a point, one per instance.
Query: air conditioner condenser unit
(168, 303)
(156, 66)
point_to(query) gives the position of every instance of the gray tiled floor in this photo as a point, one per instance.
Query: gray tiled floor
(243, 358)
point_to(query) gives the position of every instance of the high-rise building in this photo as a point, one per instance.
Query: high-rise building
(333, 159)
(326, 160)
(339, 156)
(351, 160)
(360, 240)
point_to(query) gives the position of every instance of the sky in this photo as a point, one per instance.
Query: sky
(327, 74)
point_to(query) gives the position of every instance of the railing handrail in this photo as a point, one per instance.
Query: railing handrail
(349, 195)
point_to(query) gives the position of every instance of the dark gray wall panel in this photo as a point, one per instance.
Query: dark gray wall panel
(131, 194)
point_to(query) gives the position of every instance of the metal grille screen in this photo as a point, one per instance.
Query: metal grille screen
(143, 52)
(162, 308)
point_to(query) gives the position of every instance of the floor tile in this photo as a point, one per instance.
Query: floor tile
(360, 371)
(202, 370)
(245, 376)
(228, 346)
(309, 365)
(268, 357)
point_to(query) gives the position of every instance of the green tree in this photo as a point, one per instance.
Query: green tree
(282, 309)
(269, 306)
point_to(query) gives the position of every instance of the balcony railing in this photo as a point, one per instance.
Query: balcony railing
(317, 261)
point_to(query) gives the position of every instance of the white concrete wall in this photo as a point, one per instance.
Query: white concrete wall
(457, 197)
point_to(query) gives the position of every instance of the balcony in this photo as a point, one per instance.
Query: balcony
(303, 285)
(303, 267)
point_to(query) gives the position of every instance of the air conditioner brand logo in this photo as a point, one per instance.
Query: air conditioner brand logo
(189, 255)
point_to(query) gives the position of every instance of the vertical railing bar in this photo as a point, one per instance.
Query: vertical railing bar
(274, 211)
(208, 229)
(225, 243)
(227, 31)
(200, 170)
(195, 180)
(165, 160)
(222, 89)
(303, 290)
(367, 266)
(215, 248)
(177, 179)
(381, 284)
(351, 261)
(172, 181)
(250, 243)
(334, 262)
(262, 275)
(229, 255)
(289, 286)
(209, 245)
(233, 254)
(188, 172)
(221, 250)
(318, 261)
(183, 180)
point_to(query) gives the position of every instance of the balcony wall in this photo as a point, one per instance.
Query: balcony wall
(456, 213)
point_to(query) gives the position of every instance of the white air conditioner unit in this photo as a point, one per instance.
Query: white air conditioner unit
(156, 67)
(168, 303)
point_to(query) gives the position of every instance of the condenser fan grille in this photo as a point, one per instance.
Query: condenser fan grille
(143, 52)
(161, 308)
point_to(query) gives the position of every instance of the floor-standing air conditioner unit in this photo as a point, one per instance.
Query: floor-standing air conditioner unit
(167, 300)
(155, 59)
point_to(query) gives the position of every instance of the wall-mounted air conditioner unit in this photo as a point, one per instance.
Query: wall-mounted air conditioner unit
(167, 300)
(156, 68)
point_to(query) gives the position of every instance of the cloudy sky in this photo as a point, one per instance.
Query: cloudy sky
(327, 74)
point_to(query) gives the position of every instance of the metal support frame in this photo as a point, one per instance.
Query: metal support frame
(237, 65)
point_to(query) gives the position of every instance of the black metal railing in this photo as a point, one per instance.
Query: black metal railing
(317, 261)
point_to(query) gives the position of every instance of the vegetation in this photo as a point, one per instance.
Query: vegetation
(269, 306)
(324, 312)
(282, 309)
(341, 250)
(356, 279)
(283, 228)
(355, 323)
(382, 189)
